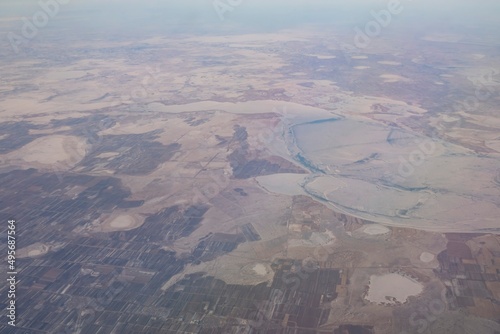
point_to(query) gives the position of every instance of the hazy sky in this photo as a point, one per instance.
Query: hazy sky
(253, 9)
(260, 15)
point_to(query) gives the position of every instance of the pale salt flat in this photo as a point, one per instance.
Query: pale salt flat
(372, 163)
(35, 252)
(392, 288)
(477, 56)
(388, 62)
(375, 229)
(55, 152)
(234, 270)
(493, 144)
(326, 185)
(287, 184)
(391, 78)
(322, 57)
(37, 249)
(249, 45)
(64, 74)
(260, 269)
(426, 257)
(124, 223)
(119, 222)
(251, 107)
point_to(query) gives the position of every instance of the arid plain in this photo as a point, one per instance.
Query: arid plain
(255, 183)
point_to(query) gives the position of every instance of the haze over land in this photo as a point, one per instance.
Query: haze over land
(255, 167)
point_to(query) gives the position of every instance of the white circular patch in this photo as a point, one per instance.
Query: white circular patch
(426, 257)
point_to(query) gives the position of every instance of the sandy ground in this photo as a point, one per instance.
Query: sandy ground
(315, 240)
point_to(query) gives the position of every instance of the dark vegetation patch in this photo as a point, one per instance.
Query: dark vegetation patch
(16, 135)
